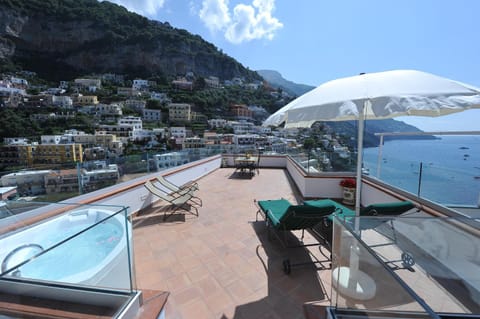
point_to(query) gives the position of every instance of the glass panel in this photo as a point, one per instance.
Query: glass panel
(359, 280)
(339, 159)
(83, 246)
(414, 262)
(57, 182)
(424, 167)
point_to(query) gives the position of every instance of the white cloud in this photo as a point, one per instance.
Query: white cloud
(249, 22)
(214, 14)
(143, 7)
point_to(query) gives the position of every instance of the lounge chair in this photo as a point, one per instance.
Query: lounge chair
(188, 188)
(382, 209)
(385, 212)
(281, 215)
(176, 202)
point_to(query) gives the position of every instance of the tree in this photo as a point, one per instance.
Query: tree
(199, 83)
(309, 143)
(153, 104)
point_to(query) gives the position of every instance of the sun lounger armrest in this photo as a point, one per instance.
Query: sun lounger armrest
(190, 184)
(394, 208)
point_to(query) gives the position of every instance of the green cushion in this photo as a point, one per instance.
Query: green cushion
(340, 209)
(394, 208)
(283, 215)
(278, 207)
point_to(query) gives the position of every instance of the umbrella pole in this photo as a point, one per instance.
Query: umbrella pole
(361, 127)
(354, 273)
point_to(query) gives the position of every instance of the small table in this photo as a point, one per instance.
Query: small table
(243, 163)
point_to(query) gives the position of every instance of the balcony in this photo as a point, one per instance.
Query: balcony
(222, 264)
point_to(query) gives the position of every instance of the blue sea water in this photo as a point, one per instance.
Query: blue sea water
(450, 167)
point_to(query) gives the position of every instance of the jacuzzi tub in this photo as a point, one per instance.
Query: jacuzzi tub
(98, 256)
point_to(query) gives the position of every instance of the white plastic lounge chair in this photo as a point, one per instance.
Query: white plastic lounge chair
(188, 188)
(176, 202)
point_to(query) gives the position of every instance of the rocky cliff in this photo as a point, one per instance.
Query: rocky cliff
(60, 39)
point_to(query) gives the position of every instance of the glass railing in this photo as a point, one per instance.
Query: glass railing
(57, 182)
(87, 246)
(406, 267)
(317, 161)
(444, 170)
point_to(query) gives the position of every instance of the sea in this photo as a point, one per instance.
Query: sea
(450, 173)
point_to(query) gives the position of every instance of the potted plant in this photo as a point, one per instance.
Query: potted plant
(349, 185)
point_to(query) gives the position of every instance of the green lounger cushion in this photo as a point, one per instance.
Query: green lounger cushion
(341, 211)
(278, 207)
(283, 215)
(394, 208)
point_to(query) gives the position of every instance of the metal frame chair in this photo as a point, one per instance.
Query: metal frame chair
(176, 202)
(187, 188)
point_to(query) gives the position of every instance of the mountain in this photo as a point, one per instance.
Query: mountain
(276, 80)
(61, 39)
(377, 126)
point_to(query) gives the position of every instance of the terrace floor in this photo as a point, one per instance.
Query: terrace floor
(222, 264)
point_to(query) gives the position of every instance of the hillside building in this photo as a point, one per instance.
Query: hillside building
(150, 115)
(61, 181)
(241, 112)
(58, 153)
(179, 112)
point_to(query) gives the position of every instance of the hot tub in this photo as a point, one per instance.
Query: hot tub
(98, 256)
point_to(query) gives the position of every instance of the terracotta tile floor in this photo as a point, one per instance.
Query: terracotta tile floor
(222, 264)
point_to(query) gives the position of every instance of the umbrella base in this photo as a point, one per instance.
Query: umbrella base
(363, 287)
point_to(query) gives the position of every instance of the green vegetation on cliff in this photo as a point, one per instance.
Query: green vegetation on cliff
(65, 38)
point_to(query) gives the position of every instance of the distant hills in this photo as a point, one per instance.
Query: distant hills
(63, 39)
(277, 81)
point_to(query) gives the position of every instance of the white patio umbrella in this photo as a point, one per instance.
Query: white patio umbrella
(377, 96)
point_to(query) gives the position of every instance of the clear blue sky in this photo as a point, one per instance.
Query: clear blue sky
(314, 41)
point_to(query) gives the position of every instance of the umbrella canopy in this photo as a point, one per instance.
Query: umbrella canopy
(389, 94)
(377, 96)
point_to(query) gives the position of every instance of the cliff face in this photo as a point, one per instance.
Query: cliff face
(60, 39)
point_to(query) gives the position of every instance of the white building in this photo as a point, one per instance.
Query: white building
(16, 141)
(217, 123)
(133, 121)
(264, 130)
(108, 110)
(172, 159)
(150, 115)
(161, 97)
(241, 127)
(19, 82)
(245, 140)
(100, 177)
(65, 102)
(88, 83)
(127, 129)
(51, 139)
(135, 104)
(27, 182)
(139, 84)
(178, 132)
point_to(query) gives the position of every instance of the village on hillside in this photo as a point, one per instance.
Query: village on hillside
(137, 128)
